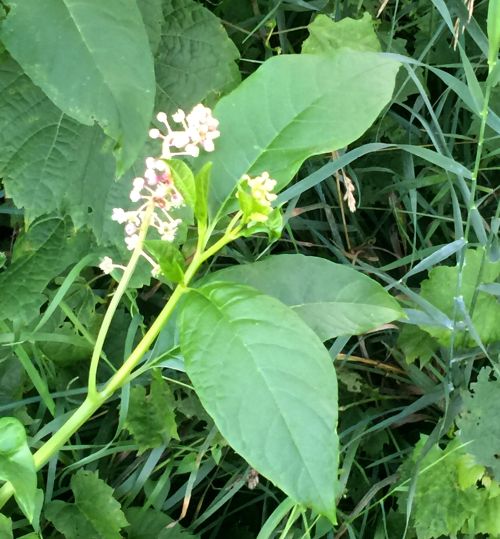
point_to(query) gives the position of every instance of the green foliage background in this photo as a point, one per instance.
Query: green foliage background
(300, 89)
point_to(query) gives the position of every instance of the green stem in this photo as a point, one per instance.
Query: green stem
(115, 301)
(95, 399)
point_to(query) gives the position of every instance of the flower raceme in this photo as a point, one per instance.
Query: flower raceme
(156, 189)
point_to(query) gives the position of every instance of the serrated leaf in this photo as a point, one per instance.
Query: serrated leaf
(196, 58)
(152, 524)
(468, 501)
(95, 512)
(440, 290)
(332, 299)
(270, 386)
(92, 59)
(478, 421)
(151, 417)
(48, 161)
(416, 344)
(17, 465)
(437, 486)
(46, 250)
(294, 107)
(326, 35)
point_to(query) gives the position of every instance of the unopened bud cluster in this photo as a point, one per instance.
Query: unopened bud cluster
(261, 188)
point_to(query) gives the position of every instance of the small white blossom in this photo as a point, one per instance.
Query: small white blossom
(135, 195)
(138, 183)
(154, 133)
(130, 229)
(161, 117)
(106, 265)
(119, 215)
(132, 241)
(179, 116)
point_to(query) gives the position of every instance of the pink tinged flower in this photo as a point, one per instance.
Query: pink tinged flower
(132, 241)
(106, 265)
(150, 176)
(130, 229)
(176, 199)
(119, 215)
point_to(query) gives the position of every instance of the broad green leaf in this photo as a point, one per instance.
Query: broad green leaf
(440, 290)
(416, 344)
(5, 528)
(269, 385)
(326, 35)
(332, 299)
(48, 247)
(293, 107)
(478, 422)
(151, 417)
(468, 500)
(49, 162)
(152, 524)
(17, 465)
(92, 59)
(95, 512)
(195, 59)
(152, 16)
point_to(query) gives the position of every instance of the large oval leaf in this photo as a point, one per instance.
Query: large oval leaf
(331, 298)
(270, 386)
(92, 59)
(195, 59)
(296, 106)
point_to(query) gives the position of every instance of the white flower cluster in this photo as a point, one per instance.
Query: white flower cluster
(156, 187)
(199, 128)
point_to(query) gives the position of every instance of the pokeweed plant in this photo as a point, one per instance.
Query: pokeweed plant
(251, 337)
